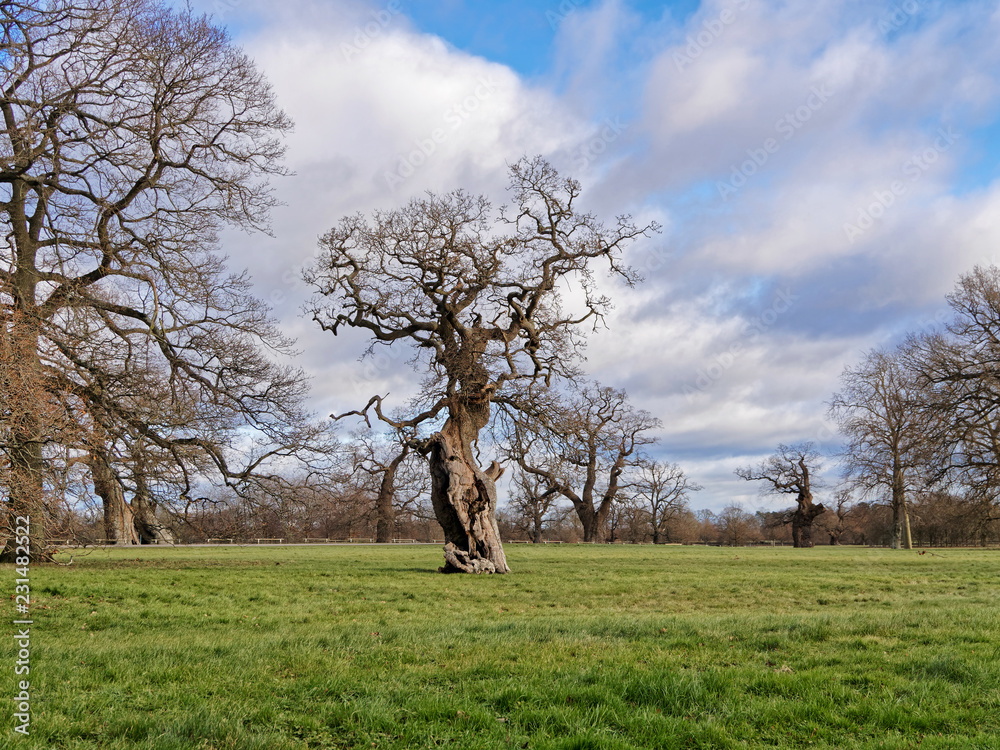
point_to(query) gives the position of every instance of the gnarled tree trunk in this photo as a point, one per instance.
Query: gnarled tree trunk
(147, 526)
(148, 529)
(802, 520)
(119, 521)
(464, 496)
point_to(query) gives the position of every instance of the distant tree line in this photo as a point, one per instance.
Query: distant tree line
(938, 520)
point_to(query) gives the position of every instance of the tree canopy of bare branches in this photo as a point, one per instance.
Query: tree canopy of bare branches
(389, 471)
(580, 444)
(662, 489)
(960, 370)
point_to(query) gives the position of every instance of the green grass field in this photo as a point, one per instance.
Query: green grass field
(580, 647)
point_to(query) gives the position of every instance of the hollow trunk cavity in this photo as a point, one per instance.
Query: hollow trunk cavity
(464, 499)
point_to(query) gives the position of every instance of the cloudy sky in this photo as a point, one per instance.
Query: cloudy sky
(823, 172)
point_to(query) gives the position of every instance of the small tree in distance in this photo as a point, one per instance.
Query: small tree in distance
(385, 467)
(532, 503)
(789, 471)
(736, 526)
(662, 489)
(591, 437)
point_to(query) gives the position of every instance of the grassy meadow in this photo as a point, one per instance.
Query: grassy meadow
(580, 647)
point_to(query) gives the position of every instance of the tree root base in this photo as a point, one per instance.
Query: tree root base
(459, 561)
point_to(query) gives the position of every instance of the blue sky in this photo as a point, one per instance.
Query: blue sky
(521, 35)
(824, 171)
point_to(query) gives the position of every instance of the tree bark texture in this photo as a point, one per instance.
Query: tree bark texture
(24, 403)
(119, 521)
(464, 499)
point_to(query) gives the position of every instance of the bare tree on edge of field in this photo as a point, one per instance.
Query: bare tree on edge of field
(959, 371)
(663, 490)
(836, 522)
(477, 294)
(735, 526)
(531, 506)
(881, 411)
(391, 470)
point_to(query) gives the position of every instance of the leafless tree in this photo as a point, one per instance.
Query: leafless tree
(131, 133)
(835, 523)
(789, 471)
(881, 411)
(736, 526)
(960, 370)
(662, 489)
(627, 521)
(532, 504)
(478, 293)
(706, 520)
(580, 445)
(390, 472)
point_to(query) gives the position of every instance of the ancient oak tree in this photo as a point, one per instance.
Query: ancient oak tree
(789, 471)
(479, 294)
